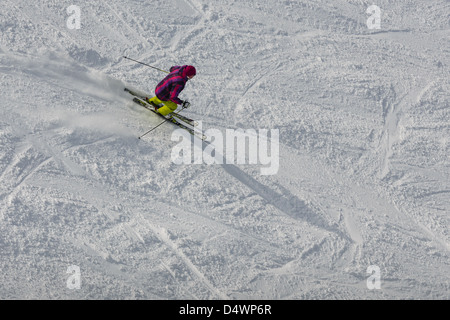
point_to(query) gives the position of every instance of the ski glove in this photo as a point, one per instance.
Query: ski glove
(185, 104)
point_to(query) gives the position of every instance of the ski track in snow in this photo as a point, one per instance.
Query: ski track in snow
(363, 177)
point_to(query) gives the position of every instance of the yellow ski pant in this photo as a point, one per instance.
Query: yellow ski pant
(168, 106)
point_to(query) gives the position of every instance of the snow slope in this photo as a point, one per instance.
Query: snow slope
(363, 118)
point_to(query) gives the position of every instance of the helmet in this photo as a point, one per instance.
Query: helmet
(190, 71)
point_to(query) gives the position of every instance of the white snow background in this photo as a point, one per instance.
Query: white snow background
(364, 124)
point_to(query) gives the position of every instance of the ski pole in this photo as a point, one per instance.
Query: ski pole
(146, 65)
(161, 123)
(152, 129)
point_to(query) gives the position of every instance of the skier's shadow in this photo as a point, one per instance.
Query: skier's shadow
(286, 202)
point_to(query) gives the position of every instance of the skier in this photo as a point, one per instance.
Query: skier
(167, 91)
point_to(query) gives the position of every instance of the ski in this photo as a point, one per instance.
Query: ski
(190, 130)
(186, 119)
(146, 106)
(134, 93)
(170, 119)
(179, 116)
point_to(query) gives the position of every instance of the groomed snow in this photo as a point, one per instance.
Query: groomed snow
(363, 179)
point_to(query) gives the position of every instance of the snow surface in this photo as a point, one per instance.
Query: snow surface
(364, 123)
